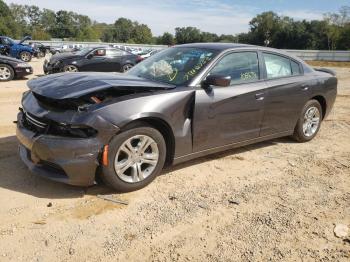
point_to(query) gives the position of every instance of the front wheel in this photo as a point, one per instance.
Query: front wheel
(25, 56)
(135, 157)
(6, 73)
(309, 122)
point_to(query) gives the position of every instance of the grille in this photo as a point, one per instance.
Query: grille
(33, 123)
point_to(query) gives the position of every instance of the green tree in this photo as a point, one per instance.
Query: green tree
(189, 34)
(167, 39)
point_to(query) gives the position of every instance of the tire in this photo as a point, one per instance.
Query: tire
(126, 67)
(6, 73)
(70, 68)
(25, 56)
(309, 122)
(138, 174)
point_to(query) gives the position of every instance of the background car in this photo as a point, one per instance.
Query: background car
(11, 68)
(17, 50)
(40, 50)
(148, 53)
(99, 59)
(185, 102)
(66, 48)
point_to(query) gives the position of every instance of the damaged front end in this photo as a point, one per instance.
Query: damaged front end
(62, 126)
(62, 145)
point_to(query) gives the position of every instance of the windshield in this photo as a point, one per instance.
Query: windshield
(176, 65)
(84, 51)
(8, 41)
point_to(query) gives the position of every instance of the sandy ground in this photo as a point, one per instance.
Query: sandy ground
(273, 201)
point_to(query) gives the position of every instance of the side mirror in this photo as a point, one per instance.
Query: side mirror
(216, 80)
(89, 56)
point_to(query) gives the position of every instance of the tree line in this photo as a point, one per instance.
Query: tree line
(266, 29)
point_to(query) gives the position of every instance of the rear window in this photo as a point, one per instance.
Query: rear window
(279, 66)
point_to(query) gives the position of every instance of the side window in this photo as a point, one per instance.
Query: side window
(114, 52)
(242, 67)
(100, 52)
(295, 68)
(277, 66)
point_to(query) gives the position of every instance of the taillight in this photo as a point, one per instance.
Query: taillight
(139, 58)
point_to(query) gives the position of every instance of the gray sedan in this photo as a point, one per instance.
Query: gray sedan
(184, 102)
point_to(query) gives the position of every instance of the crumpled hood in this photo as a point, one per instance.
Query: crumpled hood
(75, 85)
(24, 39)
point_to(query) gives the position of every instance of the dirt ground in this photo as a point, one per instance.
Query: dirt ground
(273, 201)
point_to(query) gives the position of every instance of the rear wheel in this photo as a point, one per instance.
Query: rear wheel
(25, 56)
(135, 157)
(6, 73)
(126, 67)
(309, 122)
(70, 68)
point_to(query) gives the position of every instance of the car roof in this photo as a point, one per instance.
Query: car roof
(227, 46)
(216, 46)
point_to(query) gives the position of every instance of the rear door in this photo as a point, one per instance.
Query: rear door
(287, 92)
(114, 59)
(232, 114)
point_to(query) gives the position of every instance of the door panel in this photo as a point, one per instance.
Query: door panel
(227, 115)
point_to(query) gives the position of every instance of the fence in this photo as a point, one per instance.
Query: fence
(341, 56)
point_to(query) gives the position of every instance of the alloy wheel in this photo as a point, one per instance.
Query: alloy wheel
(71, 68)
(25, 57)
(311, 121)
(136, 159)
(5, 73)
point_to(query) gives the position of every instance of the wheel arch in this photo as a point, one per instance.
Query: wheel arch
(163, 127)
(323, 102)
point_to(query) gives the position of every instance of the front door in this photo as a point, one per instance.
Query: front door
(226, 115)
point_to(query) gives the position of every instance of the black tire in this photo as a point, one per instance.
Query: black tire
(298, 131)
(10, 74)
(109, 175)
(126, 67)
(25, 56)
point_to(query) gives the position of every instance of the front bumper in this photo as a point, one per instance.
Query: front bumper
(72, 161)
(50, 69)
(23, 71)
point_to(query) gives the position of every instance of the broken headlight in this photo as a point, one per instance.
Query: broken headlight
(80, 131)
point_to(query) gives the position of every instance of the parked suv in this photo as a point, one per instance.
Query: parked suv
(16, 50)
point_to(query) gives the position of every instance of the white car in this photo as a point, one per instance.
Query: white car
(148, 53)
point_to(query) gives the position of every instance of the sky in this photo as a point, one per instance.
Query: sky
(216, 16)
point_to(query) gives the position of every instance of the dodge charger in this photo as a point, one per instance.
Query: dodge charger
(184, 102)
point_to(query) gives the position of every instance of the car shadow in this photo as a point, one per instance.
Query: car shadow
(15, 176)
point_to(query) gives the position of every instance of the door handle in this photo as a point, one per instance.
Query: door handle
(260, 96)
(304, 87)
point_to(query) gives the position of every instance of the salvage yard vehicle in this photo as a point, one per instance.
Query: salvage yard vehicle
(11, 68)
(99, 59)
(40, 50)
(184, 102)
(17, 50)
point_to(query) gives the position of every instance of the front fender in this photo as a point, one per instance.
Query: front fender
(174, 108)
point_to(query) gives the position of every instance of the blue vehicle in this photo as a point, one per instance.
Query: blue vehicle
(17, 50)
